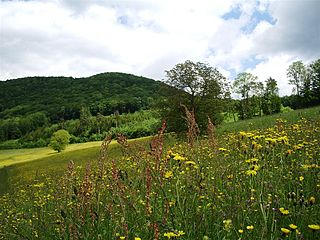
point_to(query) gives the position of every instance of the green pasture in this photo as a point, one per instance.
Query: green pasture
(19, 166)
(15, 156)
(269, 120)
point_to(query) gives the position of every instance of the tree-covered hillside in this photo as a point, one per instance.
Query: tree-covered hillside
(63, 97)
(33, 108)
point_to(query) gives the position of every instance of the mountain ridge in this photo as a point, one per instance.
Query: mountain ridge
(102, 93)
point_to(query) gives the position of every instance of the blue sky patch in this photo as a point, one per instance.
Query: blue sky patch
(251, 62)
(235, 13)
(256, 18)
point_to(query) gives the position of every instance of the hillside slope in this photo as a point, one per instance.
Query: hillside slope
(63, 97)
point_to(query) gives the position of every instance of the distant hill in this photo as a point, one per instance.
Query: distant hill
(63, 97)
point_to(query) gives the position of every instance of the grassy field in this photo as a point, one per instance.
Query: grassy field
(258, 179)
(18, 166)
(15, 156)
(269, 121)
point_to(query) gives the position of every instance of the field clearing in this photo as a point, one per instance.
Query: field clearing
(15, 156)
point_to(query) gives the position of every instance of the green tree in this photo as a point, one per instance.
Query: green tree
(314, 74)
(59, 140)
(244, 84)
(297, 75)
(271, 99)
(198, 86)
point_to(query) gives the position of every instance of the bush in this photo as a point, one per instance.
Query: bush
(59, 140)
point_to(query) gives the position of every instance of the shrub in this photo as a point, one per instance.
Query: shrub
(59, 140)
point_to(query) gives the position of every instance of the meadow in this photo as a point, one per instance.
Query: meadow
(255, 179)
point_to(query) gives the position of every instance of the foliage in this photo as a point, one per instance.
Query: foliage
(199, 87)
(245, 84)
(59, 140)
(258, 184)
(61, 98)
(297, 75)
(306, 80)
(87, 128)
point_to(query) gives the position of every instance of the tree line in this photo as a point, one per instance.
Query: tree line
(136, 105)
(205, 91)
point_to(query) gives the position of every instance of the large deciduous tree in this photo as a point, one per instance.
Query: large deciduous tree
(297, 75)
(245, 84)
(271, 99)
(314, 74)
(198, 86)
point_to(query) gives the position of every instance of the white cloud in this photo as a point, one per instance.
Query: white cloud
(276, 68)
(82, 38)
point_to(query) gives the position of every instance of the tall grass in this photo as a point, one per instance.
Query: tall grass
(257, 184)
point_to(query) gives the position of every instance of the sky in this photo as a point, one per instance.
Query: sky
(80, 38)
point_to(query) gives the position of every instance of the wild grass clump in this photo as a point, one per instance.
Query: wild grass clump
(259, 184)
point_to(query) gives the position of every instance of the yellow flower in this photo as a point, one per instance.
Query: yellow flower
(301, 178)
(173, 234)
(122, 238)
(177, 157)
(190, 163)
(137, 238)
(227, 224)
(169, 235)
(312, 200)
(222, 149)
(240, 231)
(250, 227)
(289, 152)
(168, 174)
(251, 172)
(284, 211)
(292, 226)
(314, 227)
(285, 230)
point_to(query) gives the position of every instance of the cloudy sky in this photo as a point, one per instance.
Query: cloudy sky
(146, 37)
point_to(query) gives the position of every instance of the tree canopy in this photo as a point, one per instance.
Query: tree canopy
(59, 140)
(201, 88)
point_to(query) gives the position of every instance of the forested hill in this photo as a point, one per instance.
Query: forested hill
(63, 97)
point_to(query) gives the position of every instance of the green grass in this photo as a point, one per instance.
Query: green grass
(15, 156)
(20, 166)
(269, 121)
(260, 184)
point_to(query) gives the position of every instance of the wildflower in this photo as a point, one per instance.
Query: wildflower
(242, 134)
(222, 149)
(312, 200)
(284, 211)
(251, 172)
(227, 224)
(285, 231)
(122, 238)
(314, 227)
(252, 160)
(289, 152)
(39, 185)
(137, 238)
(240, 231)
(190, 163)
(230, 176)
(250, 227)
(292, 226)
(177, 157)
(301, 178)
(173, 234)
(168, 174)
